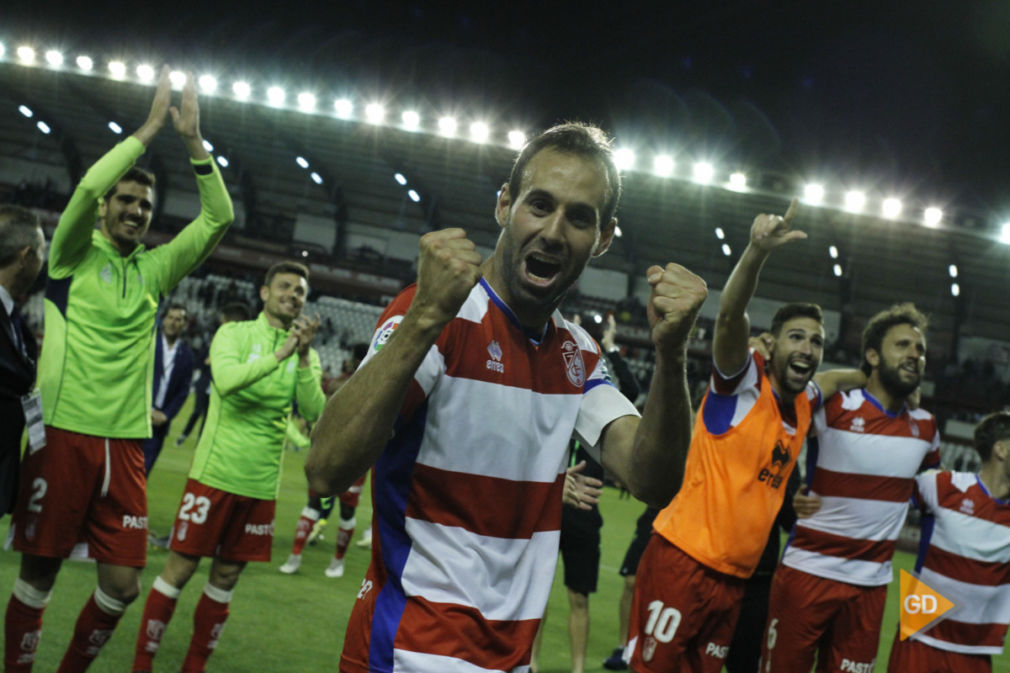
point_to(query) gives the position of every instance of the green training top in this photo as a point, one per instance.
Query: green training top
(97, 364)
(250, 400)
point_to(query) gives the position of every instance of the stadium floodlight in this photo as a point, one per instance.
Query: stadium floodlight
(516, 139)
(414, 196)
(1004, 235)
(891, 207)
(738, 181)
(375, 113)
(276, 96)
(617, 232)
(302, 161)
(343, 107)
(207, 145)
(26, 111)
(54, 58)
(833, 252)
(400, 179)
(662, 165)
(178, 79)
(955, 290)
(115, 128)
(316, 178)
(837, 269)
(597, 318)
(932, 216)
(624, 159)
(813, 193)
(855, 201)
(703, 172)
(447, 126)
(479, 132)
(720, 234)
(85, 63)
(726, 250)
(117, 69)
(26, 54)
(242, 90)
(44, 127)
(952, 270)
(3, 50)
(208, 83)
(145, 72)
(222, 161)
(307, 101)
(411, 120)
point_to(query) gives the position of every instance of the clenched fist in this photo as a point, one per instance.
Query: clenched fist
(677, 296)
(447, 269)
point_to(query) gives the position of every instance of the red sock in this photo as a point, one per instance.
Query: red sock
(208, 623)
(305, 524)
(157, 613)
(23, 627)
(344, 535)
(94, 627)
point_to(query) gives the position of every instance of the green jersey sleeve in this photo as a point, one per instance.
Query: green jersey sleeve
(309, 391)
(230, 373)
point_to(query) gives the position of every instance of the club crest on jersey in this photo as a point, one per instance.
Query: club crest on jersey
(575, 368)
(383, 334)
(495, 351)
(106, 273)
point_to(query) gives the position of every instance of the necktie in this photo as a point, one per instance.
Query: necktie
(16, 327)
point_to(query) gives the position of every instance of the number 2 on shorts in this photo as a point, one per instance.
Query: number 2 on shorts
(187, 511)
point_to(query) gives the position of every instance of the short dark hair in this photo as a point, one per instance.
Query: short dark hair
(877, 327)
(236, 311)
(19, 229)
(797, 310)
(286, 267)
(585, 140)
(994, 428)
(135, 174)
(175, 306)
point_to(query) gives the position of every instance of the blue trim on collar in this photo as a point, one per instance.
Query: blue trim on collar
(875, 402)
(500, 303)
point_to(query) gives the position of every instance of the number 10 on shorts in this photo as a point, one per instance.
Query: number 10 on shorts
(663, 622)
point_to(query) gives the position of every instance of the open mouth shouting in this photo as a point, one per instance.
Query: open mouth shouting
(801, 368)
(541, 269)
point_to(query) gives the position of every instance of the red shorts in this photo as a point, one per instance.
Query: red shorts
(683, 612)
(809, 615)
(212, 522)
(82, 488)
(911, 656)
(351, 496)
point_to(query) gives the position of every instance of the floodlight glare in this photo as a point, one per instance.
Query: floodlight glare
(720, 234)
(208, 83)
(115, 128)
(207, 146)
(26, 111)
(932, 216)
(85, 63)
(738, 181)
(855, 201)
(837, 269)
(411, 120)
(597, 318)
(1004, 235)
(276, 96)
(447, 126)
(813, 193)
(307, 101)
(952, 270)
(624, 159)
(316, 178)
(145, 73)
(400, 178)
(117, 69)
(242, 90)
(414, 196)
(516, 139)
(955, 290)
(302, 161)
(44, 127)
(343, 108)
(479, 132)
(26, 54)
(3, 49)
(54, 58)
(891, 208)
(662, 165)
(833, 251)
(726, 249)
(222, 161)
(375, 113)
(703, 173)
(617, 232)
(178, 79)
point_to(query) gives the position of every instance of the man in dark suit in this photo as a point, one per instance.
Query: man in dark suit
(173, 375)
(22, 249)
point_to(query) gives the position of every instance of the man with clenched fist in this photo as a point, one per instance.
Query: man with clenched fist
(472, 386)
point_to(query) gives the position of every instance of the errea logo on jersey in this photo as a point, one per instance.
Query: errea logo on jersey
(495, 364)
(858, 424)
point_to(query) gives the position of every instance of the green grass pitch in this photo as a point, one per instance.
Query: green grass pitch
(294, 624)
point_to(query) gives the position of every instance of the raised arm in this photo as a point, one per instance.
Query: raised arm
(732, 326)
(357, 421)
(835, 380)
(648, 454)
(308, 389)
(230, 373)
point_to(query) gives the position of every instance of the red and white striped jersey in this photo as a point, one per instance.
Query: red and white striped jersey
(467, 493)
(862, 463)
(964, 554)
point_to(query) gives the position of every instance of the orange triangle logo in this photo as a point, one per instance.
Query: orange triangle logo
(921, 605)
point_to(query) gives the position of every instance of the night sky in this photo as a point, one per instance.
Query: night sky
(905, 98)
